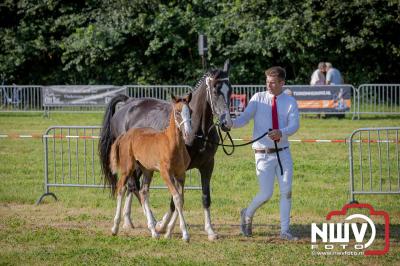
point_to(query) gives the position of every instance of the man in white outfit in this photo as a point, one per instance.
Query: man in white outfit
(278, 111)
(318, 76)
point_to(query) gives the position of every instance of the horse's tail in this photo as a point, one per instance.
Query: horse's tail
(114, 162)
(106, 140)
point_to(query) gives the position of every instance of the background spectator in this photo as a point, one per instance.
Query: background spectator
(318, 76)
(333, 76)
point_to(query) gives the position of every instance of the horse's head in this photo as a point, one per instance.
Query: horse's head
(219, 92)
(182, 115)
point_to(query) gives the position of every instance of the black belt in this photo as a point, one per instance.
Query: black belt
(270, 150)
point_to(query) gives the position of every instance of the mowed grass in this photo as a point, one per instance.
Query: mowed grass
(76, 229)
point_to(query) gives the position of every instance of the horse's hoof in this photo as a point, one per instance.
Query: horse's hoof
(114, 231)
(186, 239)
(212, 237)
(167, 236)
(128, 226)
(159, 228)
(155, 235)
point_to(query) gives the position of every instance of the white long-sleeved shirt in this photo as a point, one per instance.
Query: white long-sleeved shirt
(259, 108)
(317, 78)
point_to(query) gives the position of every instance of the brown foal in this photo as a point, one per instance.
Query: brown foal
(153, 150)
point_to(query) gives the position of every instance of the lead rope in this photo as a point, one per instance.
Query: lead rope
(232, 145)
(277, 155)
(240, 145)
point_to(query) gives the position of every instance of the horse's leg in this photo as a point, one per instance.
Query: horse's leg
(171, 224)
(127, 209)
(144, 194)
(133, 185)
(136, 182)
(117, 218)
(180, 185)
(205, 173)
(178, 201)
(161, 226)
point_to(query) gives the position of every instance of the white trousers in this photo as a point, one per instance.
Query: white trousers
(267, 168)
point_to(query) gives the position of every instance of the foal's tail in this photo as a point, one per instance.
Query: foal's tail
(114, 158)
(106, 140)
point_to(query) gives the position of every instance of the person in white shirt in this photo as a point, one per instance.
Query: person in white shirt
(260, 108)
(318, 76)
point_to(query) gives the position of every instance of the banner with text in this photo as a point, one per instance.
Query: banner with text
(330, 98)
(82, 95)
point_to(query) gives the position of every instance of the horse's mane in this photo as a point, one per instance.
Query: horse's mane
(210, 73)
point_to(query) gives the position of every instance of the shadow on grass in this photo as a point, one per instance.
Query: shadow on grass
(22, 114)
(379, 117)
(270, 232)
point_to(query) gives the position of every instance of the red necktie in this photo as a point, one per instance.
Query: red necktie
(275, 123)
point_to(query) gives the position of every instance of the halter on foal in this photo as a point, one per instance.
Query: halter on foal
(153, 150)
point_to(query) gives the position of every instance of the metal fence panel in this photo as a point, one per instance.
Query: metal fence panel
(71, 160)
(380, 99)
(374, 161)
(18, 98)
(156, 91)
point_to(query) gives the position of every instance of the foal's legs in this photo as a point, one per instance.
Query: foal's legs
(178, 201)
(171, 224)
(132, 188)
(173, 218)
(205, 173)
(127, 211)
(117, 219)
(162, 225)
(144, 194)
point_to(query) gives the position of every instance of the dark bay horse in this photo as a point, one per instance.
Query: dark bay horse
(153, 150)
(211, 98)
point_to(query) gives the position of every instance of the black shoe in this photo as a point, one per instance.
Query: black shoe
(245, 227)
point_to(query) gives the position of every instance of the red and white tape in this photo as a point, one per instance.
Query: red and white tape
(306, 140)
(333, 140)
(37, 136)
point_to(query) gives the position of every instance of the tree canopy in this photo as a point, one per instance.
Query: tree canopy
(155, 42)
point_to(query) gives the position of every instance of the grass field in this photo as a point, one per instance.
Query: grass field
(76, 229)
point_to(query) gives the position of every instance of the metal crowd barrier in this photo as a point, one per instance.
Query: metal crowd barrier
(156, 91)
(379, 99)
(376, 99)
(374, 155)
(71, 160)
(17, 98)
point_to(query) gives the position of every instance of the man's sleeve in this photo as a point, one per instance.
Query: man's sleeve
(293, 120)
(247, 114)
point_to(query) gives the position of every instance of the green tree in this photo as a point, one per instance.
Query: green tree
(155, 42)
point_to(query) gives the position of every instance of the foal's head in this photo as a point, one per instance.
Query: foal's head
(182, 116)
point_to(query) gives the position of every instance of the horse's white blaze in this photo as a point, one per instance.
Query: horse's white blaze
(225, 91)
(186, 120)
(229, 122)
